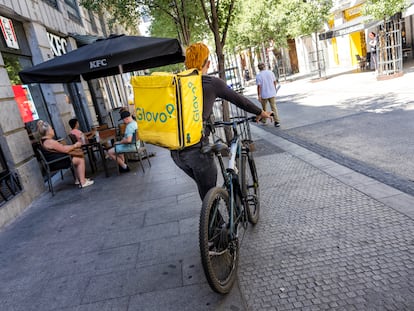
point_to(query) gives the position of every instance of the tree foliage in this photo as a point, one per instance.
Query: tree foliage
(180, 18)
(219, 16)
(124, 12)
(174, 18)
(383, 9)
(305, 17)
(257, 22)
(278, 20)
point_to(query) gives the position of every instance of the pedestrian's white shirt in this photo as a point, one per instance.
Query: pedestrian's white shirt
(266, 79)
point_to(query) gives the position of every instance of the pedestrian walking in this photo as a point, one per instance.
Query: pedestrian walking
(266, 91)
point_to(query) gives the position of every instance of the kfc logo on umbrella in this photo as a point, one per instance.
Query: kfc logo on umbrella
(98, 63)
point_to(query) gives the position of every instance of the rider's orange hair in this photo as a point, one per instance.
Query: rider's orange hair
(196, 55)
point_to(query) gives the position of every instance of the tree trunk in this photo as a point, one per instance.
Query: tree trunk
(317, 56)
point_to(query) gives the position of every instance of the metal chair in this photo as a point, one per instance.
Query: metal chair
(362, 62)
(140, 151)
(72, 138)
(50, 166)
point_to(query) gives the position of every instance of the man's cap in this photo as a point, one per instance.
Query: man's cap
(124, 114)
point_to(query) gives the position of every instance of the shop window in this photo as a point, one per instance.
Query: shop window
(29, 98)
(73, 10)
(52, 3)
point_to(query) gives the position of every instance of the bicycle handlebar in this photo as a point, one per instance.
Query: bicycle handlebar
(236, 120)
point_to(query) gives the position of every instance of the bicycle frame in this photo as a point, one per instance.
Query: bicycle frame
(225, 208)
(232, 182)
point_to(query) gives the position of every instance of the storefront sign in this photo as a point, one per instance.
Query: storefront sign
(25, 103)
(9, 35)
(57, 44)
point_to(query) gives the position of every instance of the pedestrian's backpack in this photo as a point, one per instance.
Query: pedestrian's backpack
(169, 108)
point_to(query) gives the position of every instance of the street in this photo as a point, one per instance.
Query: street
(354, 120)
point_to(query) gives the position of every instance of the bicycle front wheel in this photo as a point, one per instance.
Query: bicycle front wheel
(250, 188)
(219, 253)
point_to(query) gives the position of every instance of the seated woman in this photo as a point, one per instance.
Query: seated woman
(54, 150)
(74, 125)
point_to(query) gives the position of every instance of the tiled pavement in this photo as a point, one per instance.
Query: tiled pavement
(128, 242)
(328, 239)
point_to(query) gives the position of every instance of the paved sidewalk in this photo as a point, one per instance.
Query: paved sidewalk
(328, 239)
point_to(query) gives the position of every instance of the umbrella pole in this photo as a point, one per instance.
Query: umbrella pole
(121, 72)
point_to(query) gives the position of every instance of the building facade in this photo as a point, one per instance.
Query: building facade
(345, 38)
(34, 31)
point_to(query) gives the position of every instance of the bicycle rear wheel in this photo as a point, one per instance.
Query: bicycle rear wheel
(250, 188)
(219, 254)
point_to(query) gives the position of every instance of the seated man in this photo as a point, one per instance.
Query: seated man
(124, 144)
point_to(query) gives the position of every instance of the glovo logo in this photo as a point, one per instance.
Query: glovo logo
(156, 117)
(195, 100)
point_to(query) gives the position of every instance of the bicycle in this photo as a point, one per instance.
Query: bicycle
(226, 208)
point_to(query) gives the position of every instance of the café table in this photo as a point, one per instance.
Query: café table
(106, 137)
(92, 147)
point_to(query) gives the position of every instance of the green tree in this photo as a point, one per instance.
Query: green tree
(383, 9)
(307, 17)
(258, 22)
(187, 23)
(180, 16)
(124, 12)
(219, 16)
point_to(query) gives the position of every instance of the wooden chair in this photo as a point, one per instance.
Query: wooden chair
(107, 135)
(121, 129)
(140, 151)
(50, 166)
(102, 127)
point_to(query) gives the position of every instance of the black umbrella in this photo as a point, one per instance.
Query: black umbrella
(106, 57)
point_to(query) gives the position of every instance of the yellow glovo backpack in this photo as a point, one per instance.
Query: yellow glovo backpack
(169, 108)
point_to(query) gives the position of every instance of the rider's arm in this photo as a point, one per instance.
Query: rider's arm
(224, 92)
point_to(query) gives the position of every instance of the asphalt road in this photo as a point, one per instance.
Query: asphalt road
(355, 120)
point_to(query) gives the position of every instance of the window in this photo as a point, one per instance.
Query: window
(29, 98)
(9, 182)
(3, 165)
(73, 10)
(103, 24)
(9, 186)
(52, 3)
(92, 20)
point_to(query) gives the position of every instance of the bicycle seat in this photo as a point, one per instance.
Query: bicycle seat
(216, 147)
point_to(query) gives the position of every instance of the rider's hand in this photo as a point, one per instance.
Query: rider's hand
(264, 115)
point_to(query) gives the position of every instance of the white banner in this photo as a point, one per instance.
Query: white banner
(9, 35)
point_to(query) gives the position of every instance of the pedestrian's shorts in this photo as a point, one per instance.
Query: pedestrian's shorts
(121, 148)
